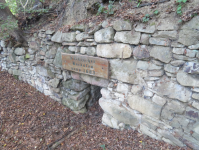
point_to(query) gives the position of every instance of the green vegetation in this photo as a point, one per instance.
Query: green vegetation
(103, 147)
(139, 2)
(108, 11)
(180, 3)
(146, 18)
(156, 12)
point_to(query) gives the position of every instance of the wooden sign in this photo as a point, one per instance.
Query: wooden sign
(90, 65)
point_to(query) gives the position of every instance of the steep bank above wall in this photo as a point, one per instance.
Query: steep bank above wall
(153, 82)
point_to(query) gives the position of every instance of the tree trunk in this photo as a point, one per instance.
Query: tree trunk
(15, 32)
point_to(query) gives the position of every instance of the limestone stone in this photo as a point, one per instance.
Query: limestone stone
(168, 135)
(79, 95)
(87, 44)
(52, 52)
(155, 73)
(20, 59)
(150, 132)
(54, 82)
(144, 65)
(46, 72)
(75, 105)
(148, 93)
(195, 89)
(189, 33)
(128, 37)
(33, 45)
(57, 37)
(145, 29)
(122, 88)
(166, 34)
(115, 50)
(194, 47)
(159, 100)
(74, 49)
(179, 50)
(104, 35)
(192, 113)
(16, 72)
(166, 87)
(191, 53)
(66, 75)
(12, 57)
(50, 32)
(30, 51)
(159, 41)
(161, 53)
(141, 52)
(58, 58)
(177, 63)
(191, 67)
(166, 24)
(110, 121)
(118, 112)
(19, 51)
(182, 57)
(79, 27)
(121, 25)
(88, 50)
(68, 37)
(75, 85)
(69, 43)
(170, 68)
(145, 39)
(144, 106)
(176, 44)
(94, 80)
(190, 141)
(176, 107)
(136, 89)
(82, 36)
(106, 93)
(157, 62)
(187, 79)
(124, 71)
(195, 104)
(195, 96)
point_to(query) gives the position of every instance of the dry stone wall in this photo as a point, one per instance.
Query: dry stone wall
(154, 81)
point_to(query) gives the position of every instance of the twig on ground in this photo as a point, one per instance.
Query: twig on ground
(58, 142)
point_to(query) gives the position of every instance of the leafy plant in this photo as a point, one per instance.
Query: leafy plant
(146, 18)
(139, 2)
(156, 12)
(181, 3)
(102, 9)
(103, 146)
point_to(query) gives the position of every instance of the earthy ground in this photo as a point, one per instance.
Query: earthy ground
(31, 120)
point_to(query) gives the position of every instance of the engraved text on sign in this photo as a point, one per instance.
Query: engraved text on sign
(86, 64)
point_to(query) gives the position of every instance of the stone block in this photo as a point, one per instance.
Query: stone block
(52, 52)
(195, 104)
(190, 141)
(144, 106)
(122, 88)
(167, 24)
(57, 37)
(160, 41)
(75, 105)
(129, 37)
(192, 113)
(177, 63)
(193, 47)
(171, 89)
(115, 50)
(106, 94)
(136, 89)
(75, 85)
(121, 25)
(82, 36)
(79, 95)
(141, 52)
(145, 39)
(187, 79)
(150, 132)
(74, 49)
(46, 72)
(166, 34)
(124, 71)
(118, 112)
(159, 100)
(155, 73)
(88, 50)
(19, 51)
(68, 37)
(191, 67)
(54, 82)
(171, 69)
(110, 121)
(179, 51)
(144, 65)
(104, 35)
(145, 28)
